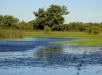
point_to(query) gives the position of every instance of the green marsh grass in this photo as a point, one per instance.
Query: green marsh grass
(59, 34)
(10, 34)
(91, 42)
(17, 34)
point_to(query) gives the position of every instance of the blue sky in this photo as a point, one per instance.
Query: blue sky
(80, 10)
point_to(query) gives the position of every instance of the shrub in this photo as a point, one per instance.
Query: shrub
(47, 29)
(93, 30)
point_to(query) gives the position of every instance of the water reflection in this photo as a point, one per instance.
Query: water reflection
(45, 52)
(50, 56)
(55, 55)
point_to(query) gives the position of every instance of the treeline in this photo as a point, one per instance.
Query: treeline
(51, 17)
(90, 28)
(10, 22)
(44, 17)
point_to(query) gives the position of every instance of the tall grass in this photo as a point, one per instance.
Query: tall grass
(7, 34)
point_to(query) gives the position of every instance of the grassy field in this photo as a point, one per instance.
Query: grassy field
(59, 34)
(7, 34)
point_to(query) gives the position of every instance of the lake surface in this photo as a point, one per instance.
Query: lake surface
(39, 56)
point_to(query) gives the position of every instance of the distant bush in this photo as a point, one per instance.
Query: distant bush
(47, 29)
(11, 34)
(93, 30)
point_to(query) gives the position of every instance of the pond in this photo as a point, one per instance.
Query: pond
(40, 56)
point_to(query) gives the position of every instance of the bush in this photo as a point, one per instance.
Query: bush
(93, 30)
(47, 29)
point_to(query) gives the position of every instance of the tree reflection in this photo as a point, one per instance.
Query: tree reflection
(51, 54)
(47, 50)
(54, 55)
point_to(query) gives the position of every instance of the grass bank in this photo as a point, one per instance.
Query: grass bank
(58, 34)
(91, 39)
(5, 34)
(91, 42)
(17, 34)
(10, 34)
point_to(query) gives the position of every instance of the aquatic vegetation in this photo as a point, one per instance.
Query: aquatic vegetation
(94, 42)
(7, 34)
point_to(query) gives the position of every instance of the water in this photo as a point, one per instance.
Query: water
(39, 56)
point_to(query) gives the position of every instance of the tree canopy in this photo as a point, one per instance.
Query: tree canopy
(50, 17)
(8, 21)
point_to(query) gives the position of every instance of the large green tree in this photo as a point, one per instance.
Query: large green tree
(50, 17)
(8, 21)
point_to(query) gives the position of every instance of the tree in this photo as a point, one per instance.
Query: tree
(22, 25)
(40, 18)
(1, 21)
(9, 21)
(56, 28)
(50, 17)
(30, 25)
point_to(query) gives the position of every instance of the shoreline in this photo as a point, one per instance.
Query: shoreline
(88, 39)
(85, 42)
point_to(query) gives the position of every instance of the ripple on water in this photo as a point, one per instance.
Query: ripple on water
(40, 57)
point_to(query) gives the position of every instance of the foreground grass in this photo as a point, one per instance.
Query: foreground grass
(92, 42)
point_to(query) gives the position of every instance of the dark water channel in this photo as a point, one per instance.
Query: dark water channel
(39, 56)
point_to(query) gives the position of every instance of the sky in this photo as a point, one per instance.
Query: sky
(80, 10)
